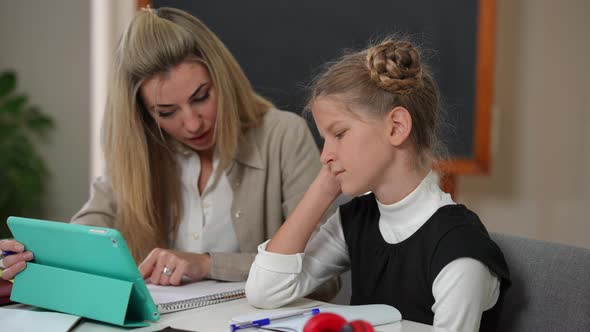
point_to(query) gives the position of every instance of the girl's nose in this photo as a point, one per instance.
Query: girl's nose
(326, 156)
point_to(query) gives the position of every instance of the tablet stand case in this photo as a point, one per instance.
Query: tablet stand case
(108, 297)
(61, 290)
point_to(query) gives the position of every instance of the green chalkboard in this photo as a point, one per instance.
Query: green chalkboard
(281, 43)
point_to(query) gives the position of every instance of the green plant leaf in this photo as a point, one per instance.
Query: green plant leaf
(8, 128)
(7, 83)
(14, 105)
(23, 173)
(37, 121)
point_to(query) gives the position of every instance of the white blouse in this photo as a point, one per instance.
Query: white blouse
(205, 224)
(462, 290)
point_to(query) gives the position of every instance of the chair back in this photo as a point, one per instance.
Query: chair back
(550, 286)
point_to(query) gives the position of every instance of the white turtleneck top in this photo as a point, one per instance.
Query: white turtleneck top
(463, 289)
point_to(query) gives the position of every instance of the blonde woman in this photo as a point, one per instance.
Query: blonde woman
(199, 168)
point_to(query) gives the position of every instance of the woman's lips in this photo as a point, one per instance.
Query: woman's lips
(199, 138)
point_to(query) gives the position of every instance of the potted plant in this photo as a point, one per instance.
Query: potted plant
(23, 172)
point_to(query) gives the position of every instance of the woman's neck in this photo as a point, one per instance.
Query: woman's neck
(206, 155)
(206, 158)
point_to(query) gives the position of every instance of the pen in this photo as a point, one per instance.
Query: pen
(267, 321)
(2, 255)
(6, 253)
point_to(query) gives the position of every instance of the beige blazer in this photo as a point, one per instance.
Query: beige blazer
(275, 164)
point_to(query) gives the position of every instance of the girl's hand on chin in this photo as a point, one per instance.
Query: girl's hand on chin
(328, 183)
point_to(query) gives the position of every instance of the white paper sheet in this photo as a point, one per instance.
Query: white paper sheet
(29, 319)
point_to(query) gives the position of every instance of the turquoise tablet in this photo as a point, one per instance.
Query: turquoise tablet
(82, 270)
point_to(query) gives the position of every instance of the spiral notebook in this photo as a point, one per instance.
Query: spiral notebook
(195, 294)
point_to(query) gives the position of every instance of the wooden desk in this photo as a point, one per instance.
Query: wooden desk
(216, 318)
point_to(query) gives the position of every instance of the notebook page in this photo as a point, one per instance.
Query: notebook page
(168, 294)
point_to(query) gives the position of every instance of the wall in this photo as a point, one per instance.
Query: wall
(62, 50)
(539, 184)
(108, 21)
(47, 43)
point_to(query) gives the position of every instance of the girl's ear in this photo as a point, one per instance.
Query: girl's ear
(399, 124)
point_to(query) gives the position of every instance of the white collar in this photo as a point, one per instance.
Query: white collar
(416, 208)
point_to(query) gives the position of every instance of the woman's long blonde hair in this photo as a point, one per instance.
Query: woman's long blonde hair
(140, 162)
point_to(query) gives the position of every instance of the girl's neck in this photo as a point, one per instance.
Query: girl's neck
(399, 183)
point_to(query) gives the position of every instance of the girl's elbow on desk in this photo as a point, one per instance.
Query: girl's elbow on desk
(264, 294)
(258, 296)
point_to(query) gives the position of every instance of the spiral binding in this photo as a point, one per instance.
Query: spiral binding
(201, 301)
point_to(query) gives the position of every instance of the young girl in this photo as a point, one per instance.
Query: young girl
(406, 243)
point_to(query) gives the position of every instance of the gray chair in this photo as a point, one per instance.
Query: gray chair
(550, 286)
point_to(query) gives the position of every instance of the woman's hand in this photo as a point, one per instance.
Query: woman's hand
(167, 267)
(16, 262)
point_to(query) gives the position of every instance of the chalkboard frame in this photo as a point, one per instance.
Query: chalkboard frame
(479, 163)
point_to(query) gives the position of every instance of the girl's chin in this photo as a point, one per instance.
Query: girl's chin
(352, 191)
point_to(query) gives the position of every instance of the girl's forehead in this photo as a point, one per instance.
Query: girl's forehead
(337, 107)
(328, 104)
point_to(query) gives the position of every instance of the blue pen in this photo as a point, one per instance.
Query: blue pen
(2, 255)
(268, 321)
(6, 253)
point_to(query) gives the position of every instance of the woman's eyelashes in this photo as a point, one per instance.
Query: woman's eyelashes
(201, 98)
(165, 114)
(195, 100)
